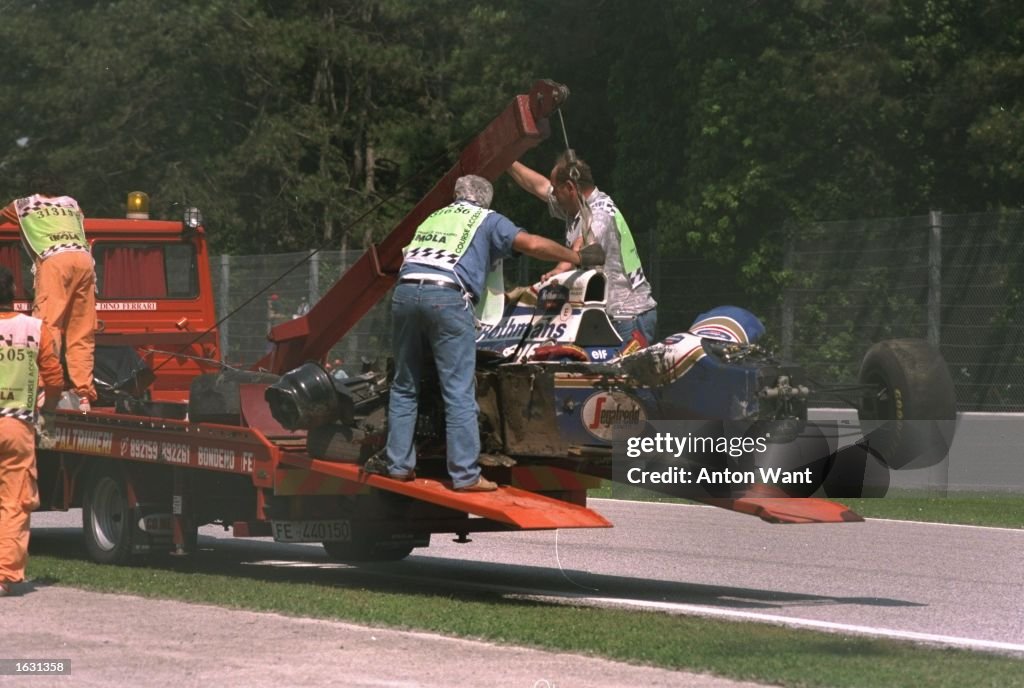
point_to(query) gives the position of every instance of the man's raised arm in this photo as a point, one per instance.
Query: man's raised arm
(530, 180)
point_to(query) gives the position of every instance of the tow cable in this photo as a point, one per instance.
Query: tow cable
(574, 175)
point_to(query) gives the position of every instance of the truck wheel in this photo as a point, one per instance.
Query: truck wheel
(366, 551)
(908, 417)
(106, 518)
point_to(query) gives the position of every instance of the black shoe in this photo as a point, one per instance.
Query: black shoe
(378, 465)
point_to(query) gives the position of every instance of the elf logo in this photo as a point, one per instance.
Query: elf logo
(604, 410)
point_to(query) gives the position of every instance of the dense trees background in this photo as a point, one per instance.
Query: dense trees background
(711, 122)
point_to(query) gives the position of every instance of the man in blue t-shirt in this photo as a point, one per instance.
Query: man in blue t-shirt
(442, 276)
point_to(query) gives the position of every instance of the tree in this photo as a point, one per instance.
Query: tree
(286, 123)
(712, 124)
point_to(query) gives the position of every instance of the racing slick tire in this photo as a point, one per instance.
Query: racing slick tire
(216, 397)
(908, 418)
(807, 454)
(107, 518)
(854, 473)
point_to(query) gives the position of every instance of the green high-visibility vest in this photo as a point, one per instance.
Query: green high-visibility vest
(444, 237)
(20, 338)
(51, 225)
(630, 256)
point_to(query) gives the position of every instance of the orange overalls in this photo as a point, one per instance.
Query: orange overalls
(66, 302)
(53, 233)
(19, 495)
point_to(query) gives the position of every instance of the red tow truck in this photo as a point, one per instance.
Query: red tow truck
(180, 440)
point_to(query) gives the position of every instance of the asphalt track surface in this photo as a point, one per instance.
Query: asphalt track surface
(951, 585)
(116, 640)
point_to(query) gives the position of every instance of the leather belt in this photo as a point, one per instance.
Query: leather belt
(435, 283)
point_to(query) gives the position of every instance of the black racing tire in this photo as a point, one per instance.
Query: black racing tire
(107, 518)
(215, 397)
(855, 473)
(366, 551)
(908, 418)
(809, 452)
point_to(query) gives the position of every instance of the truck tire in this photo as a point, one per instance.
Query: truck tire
(908, 418)
(366, 551)
(107, 518)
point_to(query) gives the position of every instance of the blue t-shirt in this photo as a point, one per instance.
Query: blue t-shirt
(491, 243)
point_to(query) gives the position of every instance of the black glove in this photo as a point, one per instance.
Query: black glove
(591, 256)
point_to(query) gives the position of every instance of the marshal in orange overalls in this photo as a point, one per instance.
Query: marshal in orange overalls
(53, 232)
(27, 356)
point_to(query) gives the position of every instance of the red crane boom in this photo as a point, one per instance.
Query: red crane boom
(520, 127)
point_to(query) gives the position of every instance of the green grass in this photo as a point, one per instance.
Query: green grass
(755, 652)
(1001, 510)
(997, 509)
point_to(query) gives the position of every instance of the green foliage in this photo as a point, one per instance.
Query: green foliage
(711, 127)
(284, 122)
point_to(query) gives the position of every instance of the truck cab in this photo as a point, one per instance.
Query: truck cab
(154, 300)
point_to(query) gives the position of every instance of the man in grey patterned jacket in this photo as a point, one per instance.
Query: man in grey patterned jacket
(591, 215)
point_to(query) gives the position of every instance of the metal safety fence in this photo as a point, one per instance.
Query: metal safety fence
(254, 293)
(956, 280)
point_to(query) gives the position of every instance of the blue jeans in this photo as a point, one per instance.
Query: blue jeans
(443, 319)
(646, 323)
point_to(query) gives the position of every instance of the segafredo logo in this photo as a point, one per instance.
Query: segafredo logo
(604, 410)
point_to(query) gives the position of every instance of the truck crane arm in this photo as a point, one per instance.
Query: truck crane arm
(520, 127)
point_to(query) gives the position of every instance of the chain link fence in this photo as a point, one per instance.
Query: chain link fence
(956, 280)
(254, 293)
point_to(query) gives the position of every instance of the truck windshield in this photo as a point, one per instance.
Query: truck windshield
(124, 270)
(145, 271)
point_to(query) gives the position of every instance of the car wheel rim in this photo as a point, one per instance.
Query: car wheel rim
(107, 515)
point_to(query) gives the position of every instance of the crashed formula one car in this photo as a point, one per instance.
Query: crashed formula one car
(557, 387)
(561, 382)
(559, 391)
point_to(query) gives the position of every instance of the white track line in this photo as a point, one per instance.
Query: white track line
(699, 610)
(867, 518)
(951, 525)
(954, 641)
